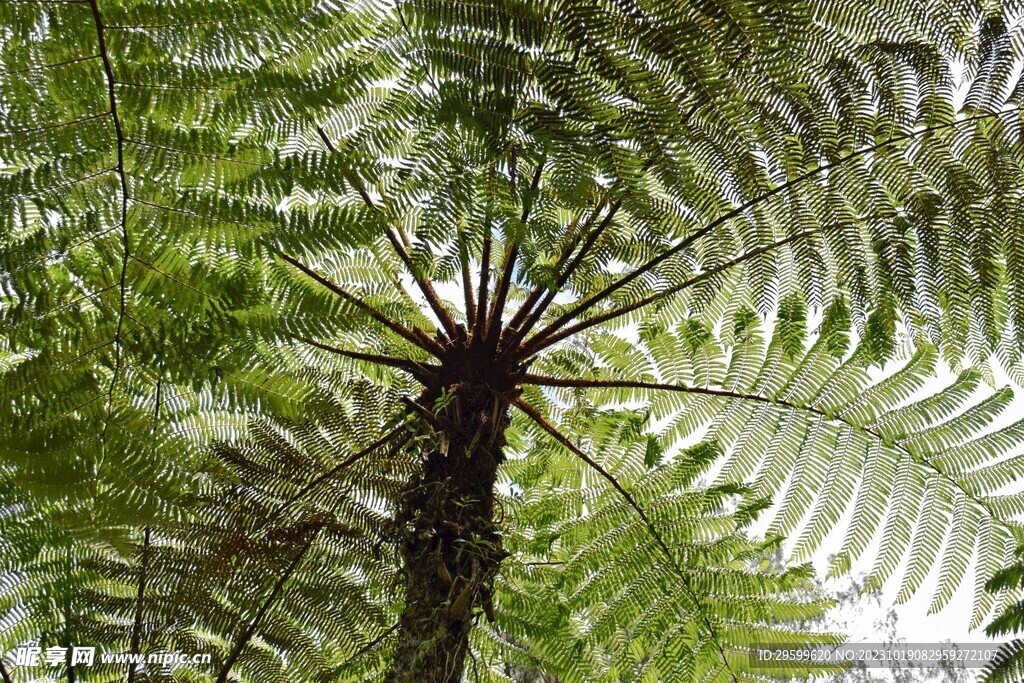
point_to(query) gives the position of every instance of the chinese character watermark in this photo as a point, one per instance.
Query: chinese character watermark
(86, 656)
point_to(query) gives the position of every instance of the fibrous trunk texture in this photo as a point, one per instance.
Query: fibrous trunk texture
(450, 544)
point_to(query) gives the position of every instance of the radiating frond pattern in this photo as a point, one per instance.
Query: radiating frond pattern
(280, 280)
(806, 423)
(635, 618)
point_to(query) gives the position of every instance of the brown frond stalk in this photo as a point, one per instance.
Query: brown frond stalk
(568, 383)
(500, 295)
(370, 645)
(546, 381)
(587, 304)
(119, 138)
(247, 634)
(424, 284)
(550, 335)
(537, 292)
(532, 196)
(655, 534)
(418, 370)
(360, 188)
(423, 342)
(347, 462)
(532, 413)
(508, 267)
(467, 284)
(136, 640)
(481, 306)
(588, 244)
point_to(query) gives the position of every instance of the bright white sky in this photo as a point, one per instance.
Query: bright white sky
(953, 622)
(914, 624)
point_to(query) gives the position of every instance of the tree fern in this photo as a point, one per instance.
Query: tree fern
(804, 419)
(276, 274)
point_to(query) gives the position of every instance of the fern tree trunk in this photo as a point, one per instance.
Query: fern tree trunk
(450, 543)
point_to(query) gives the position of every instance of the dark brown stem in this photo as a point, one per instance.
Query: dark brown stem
(655, 534)
(400, 288)
(353, 181)
(549, 335)
(247, 634)
(532, 413)
(545, 381)
(532, 196)
(425, 285)
(59, 124)
(156, 402)
(500, 295)
(485, 271)
(427, 339)
(140, 598)
(567, 383)
(467, 284)
(68, 620)
(588, 244)
(418, 370)
(429, 346)
(429, 417)
(498, 307)
(585, 305)
(42, 67)
(370, 645)
(347, 462)
(537, 292)
(108, 71)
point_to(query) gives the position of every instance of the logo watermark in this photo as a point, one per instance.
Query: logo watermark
(874, 655)
(78, 655)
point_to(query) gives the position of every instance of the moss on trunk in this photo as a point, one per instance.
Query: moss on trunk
(451, 546)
